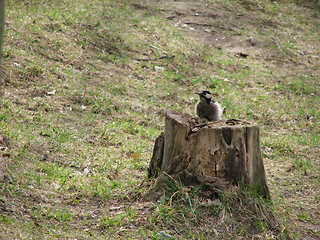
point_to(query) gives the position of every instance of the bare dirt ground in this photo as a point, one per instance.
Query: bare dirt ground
(233, 30)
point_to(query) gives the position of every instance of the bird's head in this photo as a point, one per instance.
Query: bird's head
(205, 95)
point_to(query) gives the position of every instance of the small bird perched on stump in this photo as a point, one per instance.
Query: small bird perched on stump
(207, 107)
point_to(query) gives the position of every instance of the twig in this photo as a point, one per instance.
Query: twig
(152, 59)
(200, 24)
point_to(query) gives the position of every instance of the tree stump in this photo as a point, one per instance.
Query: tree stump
(218, 154)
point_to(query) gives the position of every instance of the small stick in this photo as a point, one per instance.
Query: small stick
(152, 59)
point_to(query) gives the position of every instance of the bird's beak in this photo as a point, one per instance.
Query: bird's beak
(199, 93)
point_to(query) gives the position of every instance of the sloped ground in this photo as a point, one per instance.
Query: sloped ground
(262, 33)
(80, 112)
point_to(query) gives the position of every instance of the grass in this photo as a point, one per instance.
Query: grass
(81, 114)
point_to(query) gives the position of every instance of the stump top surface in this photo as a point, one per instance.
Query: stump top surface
(229, 123)
(187, 119)
(178, 116)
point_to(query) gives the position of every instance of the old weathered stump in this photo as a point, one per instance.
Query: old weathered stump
(219, 154)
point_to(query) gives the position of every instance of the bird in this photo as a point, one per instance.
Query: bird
(207, 107)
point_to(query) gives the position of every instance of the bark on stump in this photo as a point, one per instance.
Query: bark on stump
(218, 154)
